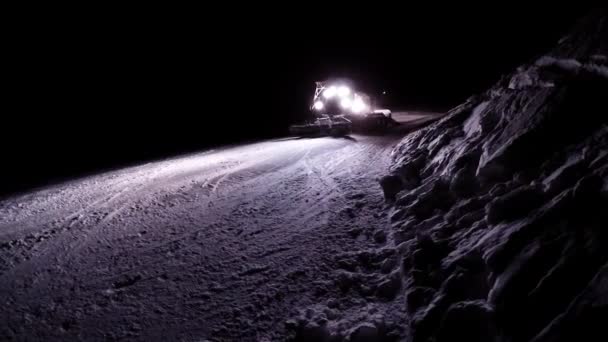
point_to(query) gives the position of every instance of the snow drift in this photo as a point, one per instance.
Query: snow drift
(499, 215)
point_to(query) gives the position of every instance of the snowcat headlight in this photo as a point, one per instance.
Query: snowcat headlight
(358, 106)
(318, 105)
(330, 92)
(343, 91)
(345, 103)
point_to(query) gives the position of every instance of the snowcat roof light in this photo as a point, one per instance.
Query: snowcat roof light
(343, 91)
(330, 92)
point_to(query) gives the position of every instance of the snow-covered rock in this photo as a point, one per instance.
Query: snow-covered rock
(499, 208)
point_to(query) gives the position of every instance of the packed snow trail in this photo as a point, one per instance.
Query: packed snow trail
(222, 245)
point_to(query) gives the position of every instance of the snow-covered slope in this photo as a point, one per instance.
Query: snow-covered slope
(225, 245)
(500, 209)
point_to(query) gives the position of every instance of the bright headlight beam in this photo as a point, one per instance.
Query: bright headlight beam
(318, 105)
(343, 91)
(345, 103)
(330, 92)
(358, 106)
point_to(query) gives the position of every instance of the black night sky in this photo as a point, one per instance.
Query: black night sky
(91, 94)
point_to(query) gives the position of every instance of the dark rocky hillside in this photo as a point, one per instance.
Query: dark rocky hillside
(501, 208)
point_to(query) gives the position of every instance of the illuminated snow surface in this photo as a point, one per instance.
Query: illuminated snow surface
(230, 244)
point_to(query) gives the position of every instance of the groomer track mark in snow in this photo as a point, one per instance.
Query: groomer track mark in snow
(191, 248)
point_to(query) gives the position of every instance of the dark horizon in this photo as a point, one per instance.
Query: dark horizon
(87, 100)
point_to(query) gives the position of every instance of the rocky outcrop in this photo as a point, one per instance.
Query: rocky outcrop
(500, 209)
